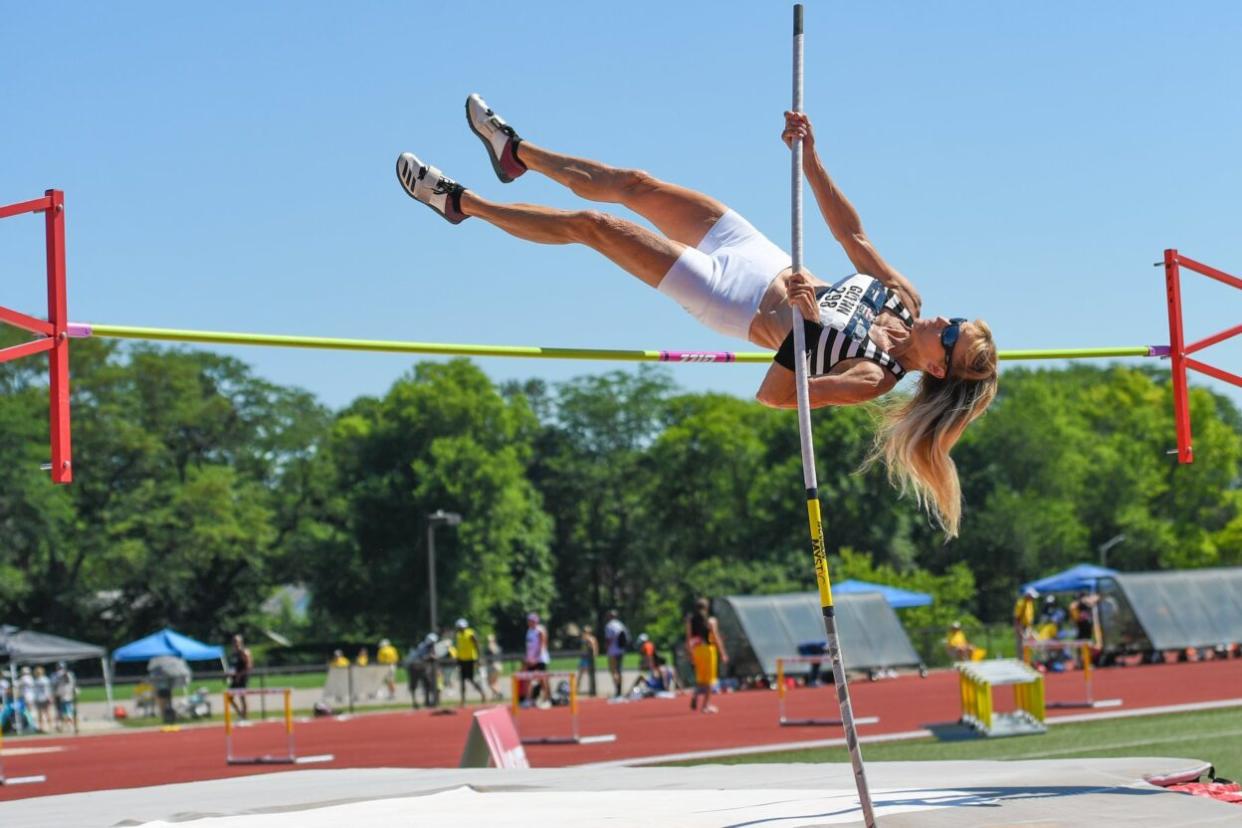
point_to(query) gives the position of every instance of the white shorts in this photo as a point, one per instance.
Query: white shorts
(722, 280)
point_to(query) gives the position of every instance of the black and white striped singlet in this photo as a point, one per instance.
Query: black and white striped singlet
(846, 312)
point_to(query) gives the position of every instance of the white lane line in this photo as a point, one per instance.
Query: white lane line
(1181, 737)
(1189, 707)
(899, 737)
(751, 749)
(27, 751)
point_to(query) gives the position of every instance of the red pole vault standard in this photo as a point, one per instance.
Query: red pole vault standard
(53, 333)
(1179, 351)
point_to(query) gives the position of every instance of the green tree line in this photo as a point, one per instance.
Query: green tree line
(201, 488)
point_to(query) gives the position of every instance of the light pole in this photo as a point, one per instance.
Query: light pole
(434, 519)
(1107, 545)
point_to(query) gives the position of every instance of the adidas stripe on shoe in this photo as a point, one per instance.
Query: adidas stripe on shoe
(431, 187)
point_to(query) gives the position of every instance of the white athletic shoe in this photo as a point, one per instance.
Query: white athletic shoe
(430, 186)
(500, 139)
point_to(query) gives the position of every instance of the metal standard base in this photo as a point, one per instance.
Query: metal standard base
(858, 720)
(280, 760)
(1018, 723)
(1086, 703)
(571, 740)
(260, 760)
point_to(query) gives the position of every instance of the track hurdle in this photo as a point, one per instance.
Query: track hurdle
(290, 756)
(978, 678)
(1088, 670)
(787, 721)
(575, 737)
(16, 780)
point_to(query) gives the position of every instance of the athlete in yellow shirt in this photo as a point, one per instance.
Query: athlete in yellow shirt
(387, 656)
(959, 648)
(1024, 618)
(467, 642)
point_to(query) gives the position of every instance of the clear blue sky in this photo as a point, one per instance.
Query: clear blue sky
(232, 167)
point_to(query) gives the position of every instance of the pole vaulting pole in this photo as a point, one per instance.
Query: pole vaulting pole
(808, 459)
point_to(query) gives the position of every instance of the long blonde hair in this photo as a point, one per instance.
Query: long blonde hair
(916, 433)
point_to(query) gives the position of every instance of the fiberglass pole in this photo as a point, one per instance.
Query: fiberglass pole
(808, 459)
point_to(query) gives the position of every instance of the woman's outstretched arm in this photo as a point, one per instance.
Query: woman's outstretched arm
(841, 216)
(861, 382)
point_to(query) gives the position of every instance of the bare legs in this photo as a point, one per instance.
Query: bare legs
(682, 215)
(635, 249)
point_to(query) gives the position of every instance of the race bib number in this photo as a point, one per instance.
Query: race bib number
(852, 304)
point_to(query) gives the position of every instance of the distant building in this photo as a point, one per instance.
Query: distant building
(291, 598)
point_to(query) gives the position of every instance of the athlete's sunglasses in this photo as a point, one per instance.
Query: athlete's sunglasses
(948, 339)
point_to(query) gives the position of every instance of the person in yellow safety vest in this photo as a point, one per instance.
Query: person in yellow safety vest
(467, 642)
(959, 648)
(363, 658)
(387, 656)
(338, 659)
(1024, 617)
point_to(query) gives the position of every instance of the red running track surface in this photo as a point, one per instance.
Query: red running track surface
(643, 728)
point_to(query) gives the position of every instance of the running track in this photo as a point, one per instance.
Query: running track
(643, 728)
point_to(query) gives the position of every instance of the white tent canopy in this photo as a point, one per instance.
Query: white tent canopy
(20, 647)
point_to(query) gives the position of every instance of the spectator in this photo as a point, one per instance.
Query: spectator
(959, 648)
(1051, 613)
(1082, 614)
(240, 665)
(665, 677)
(338, 659)
(494, 668)
(65, 687)
(364, 658)
(587, 656)
(646, 653)
(706, 648)
(537, 658)
(446, 661)
(387, 656)
(25, 698)
(1050, 653)
(616, 642)
(814, 648)
(1024, 619)
(659, 681)
(42, 700)
(420, 670)
(467, 659)
(7, 709)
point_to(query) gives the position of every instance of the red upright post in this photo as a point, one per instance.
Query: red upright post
(58, 357)
(54, 333)
(1177, 355)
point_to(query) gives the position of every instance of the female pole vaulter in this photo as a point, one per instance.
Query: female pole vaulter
(863, 333)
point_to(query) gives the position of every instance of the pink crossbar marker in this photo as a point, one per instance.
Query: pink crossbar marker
(697, 356)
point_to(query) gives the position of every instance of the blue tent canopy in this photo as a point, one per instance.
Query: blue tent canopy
(897, 598)
(1074, 579)
(167, 642)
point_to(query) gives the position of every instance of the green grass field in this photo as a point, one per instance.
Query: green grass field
(1211, 735)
